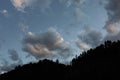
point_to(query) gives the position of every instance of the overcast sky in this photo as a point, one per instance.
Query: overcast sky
(31, 30)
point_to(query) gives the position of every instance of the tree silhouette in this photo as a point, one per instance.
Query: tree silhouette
(103, 62)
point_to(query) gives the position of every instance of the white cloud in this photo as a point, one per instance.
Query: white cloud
(4, 12)
(43, 5)
(20, 5)
(30, 34)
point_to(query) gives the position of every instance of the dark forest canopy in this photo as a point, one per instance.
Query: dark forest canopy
(103, 62)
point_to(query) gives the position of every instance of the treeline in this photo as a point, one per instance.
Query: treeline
(100, 63)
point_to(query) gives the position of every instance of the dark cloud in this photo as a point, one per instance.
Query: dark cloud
(89, 38)
(92, 38)
(113, 11)
(13, 54)
(112, 24)
(45, 45)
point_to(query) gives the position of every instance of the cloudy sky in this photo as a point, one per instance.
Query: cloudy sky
(31, 30)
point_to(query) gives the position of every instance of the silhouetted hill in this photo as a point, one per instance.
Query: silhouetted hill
(100, 63)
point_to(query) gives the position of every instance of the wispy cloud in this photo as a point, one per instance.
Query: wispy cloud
(44, 5)
(77, 6)
(24, 27)
(5, 66)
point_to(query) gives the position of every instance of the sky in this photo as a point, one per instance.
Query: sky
(32, 30)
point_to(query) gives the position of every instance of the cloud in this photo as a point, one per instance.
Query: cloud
(13, 54)
(89, 38)
(112, 37)
(4, 12)
(112, 24)
(5, 66)
(45, 45)
(113, 11)
(112, 29)
(83, 46)
(45, 4)
(37, 50)
(24, 27)
(20, 5)
(77, 5)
